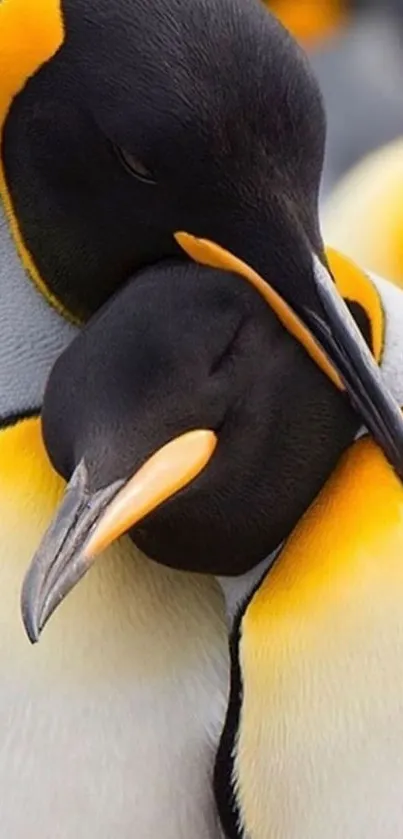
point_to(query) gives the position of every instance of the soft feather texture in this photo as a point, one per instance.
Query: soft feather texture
(113, 720)
(184, 346)
(321, 735)
(318, 753)
(109, 727)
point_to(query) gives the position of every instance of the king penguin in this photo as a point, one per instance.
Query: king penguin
(312, 743)
(110, 728)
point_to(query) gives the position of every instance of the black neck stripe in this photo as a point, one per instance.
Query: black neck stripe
(10, 420)
(224, 780)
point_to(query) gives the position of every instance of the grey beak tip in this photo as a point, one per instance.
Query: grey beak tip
(27, 605)
(31, 626)
(33, 638)
(59, 562)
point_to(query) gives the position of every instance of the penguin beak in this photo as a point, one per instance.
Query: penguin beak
(330, 336)
(87, 523)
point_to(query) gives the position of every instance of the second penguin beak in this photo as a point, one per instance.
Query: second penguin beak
(87, 523)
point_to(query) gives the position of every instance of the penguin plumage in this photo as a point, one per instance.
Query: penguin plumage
(114, 722)
(314, 733)
(309, 624)
(112, 726)
(182, 348)
(338, 531)
(316, 714)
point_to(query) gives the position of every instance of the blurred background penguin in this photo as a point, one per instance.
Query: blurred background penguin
(364, 214)
(356, 50)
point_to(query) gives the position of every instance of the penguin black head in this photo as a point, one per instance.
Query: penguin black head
(185, 414)
(197, 115)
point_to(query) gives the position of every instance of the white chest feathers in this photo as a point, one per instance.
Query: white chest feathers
(109, 726)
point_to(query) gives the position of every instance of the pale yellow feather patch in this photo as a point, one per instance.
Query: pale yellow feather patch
(354, 285)
(321, 734)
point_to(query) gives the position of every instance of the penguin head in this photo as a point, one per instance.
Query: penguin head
(186, 415)
(201, 116)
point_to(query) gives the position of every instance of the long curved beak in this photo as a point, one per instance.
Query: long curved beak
(330, 336)
(87, 523)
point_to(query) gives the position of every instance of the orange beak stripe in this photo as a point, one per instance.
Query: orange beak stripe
(208, 253)
(167, 471)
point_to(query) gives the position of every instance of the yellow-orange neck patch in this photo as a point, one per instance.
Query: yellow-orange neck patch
(354, 285)
(31, 32)
(320, 647)
(25, 467)
(310, 21)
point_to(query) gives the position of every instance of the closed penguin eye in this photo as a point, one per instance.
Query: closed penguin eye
(135, 166)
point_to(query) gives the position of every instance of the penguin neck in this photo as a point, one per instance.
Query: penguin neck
(238, 590)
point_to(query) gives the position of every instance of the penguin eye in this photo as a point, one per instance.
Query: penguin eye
(135, 166)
